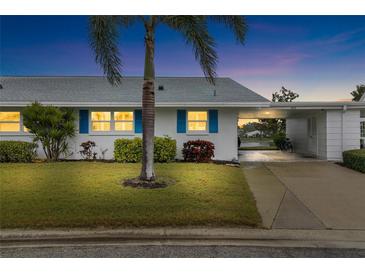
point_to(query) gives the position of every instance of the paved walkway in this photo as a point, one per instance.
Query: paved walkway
(308, 195)
(271, 156)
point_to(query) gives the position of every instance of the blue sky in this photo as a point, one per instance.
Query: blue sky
(320, 57)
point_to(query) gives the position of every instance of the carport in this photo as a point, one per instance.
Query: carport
(320, 130)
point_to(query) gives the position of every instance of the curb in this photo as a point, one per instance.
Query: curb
(186, 236)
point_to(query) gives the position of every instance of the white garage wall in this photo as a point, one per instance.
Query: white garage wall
(343, 132)
(225, 140)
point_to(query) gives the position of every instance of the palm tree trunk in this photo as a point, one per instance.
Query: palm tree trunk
(148, 108)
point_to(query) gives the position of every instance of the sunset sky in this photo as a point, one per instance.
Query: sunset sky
(319, 57)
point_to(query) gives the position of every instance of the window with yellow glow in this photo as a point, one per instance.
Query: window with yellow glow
(197, 120)
(123, 121)
(9, 121)
(100, 121)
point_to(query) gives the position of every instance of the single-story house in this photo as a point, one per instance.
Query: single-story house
(187, 108)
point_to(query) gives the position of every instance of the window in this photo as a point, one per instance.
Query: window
(362, 129)
(197, 121)
(100, 121)
(118, 121)
(9, 121)
(123, 121)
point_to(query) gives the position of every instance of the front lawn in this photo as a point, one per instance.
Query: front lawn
(87, 194)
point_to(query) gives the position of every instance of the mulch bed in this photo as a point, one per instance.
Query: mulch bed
(137, 183)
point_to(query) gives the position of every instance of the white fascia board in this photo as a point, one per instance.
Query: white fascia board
(138, 104)
(318, 105)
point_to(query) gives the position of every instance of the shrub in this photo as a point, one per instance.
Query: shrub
(130, 150)
(355, 159)
(279, 139)
(198, 151)
(87, 150)
(17, 151)
(165, 149)
(52, 126)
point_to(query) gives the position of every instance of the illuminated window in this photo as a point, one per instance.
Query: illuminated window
(123, 121)
(9, 121)
(100, 121)
(197, 120)
(362, 128)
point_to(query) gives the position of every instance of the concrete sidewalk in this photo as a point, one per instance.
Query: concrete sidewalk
(185, 236)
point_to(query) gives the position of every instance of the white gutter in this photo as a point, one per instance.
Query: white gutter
(318, 105)
(138, 104)
(274, 105)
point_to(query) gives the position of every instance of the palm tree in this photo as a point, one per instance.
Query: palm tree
(104, 38)
(358, 93)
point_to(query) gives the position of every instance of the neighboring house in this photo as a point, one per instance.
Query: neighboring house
(253, 133)
(187, 108)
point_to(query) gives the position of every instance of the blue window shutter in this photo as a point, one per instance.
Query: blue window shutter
(138, 121)
(84, 121)
(181, 121)
(213, 121)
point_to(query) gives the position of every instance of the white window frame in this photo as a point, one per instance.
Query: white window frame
(112, 130)
(21, 130)
(120, 121)
(197, 132)
(101, 121)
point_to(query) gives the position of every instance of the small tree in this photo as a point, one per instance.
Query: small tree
(358, 93)
(51, 126)
(273, 126)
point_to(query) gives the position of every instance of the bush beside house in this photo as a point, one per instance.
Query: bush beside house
(355, 159)
(130, 150)
(17, 151)
(198, 151)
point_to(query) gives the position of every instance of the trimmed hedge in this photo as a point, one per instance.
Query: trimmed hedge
(17, 152)
(198, 151)
(165, 149)
(355, 159)
(130, 150)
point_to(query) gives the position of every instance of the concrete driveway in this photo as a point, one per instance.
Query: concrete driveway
(308, 195)
(271, 156)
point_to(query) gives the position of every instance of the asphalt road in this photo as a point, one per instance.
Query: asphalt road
(175, 251)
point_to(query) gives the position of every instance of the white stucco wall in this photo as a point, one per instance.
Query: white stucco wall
(225, 140)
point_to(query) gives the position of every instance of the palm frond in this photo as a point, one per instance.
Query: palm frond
(195, 31)
(237, 24)
(104, 38)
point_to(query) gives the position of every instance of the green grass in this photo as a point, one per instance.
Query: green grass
(259, 148)
(87, 194)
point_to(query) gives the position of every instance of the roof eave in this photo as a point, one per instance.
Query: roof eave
(138, 104)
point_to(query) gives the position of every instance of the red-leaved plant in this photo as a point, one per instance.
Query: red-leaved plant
(198, 151)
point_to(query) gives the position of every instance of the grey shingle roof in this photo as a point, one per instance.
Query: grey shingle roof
(97, 89)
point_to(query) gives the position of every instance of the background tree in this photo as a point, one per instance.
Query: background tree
(51, 126)
(358, 93)
(273, 126)
(194, 29)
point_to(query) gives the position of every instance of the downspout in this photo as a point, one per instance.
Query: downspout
(344, 109)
